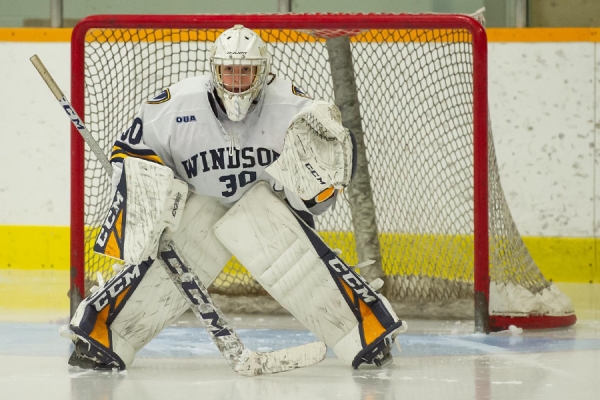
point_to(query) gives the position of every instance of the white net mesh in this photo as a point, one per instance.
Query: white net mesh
(415, 89)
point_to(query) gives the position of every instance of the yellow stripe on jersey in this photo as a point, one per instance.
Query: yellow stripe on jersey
(119, 154)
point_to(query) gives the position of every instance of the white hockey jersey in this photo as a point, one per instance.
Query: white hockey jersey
(185, 129)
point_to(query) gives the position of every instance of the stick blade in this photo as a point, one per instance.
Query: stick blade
(282, 360)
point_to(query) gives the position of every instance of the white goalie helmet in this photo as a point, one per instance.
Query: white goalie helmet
(240, 64)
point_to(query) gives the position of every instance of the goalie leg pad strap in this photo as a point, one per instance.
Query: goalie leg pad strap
(147, 200)
(304, 275)
(136, 304)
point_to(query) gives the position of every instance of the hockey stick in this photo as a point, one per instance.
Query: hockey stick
(243, 360)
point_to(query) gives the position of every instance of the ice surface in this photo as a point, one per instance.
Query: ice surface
(440, 360)
(182, 363)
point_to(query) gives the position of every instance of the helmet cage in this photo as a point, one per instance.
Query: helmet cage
(244, 80)
(238, 87)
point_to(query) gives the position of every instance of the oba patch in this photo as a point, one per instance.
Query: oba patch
(162, 97)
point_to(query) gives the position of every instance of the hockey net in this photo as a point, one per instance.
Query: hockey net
(421, 85)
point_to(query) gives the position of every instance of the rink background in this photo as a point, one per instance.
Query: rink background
(545, 112)
(41, 296)
(441, 359)
(545, 107)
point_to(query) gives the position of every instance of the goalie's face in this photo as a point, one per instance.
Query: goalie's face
(238, 78)
(240, 64)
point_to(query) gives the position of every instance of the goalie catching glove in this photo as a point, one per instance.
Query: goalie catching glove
(147, 200)
(318, 153)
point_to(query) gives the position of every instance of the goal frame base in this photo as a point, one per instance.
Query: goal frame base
(503, 322)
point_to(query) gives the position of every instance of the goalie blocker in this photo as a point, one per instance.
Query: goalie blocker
(306, 277)
(147, 200)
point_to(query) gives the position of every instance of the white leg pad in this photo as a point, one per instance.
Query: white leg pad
(135, 318)
(262, 232)
(146, 201)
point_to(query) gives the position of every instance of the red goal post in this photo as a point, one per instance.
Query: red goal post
(113, 55)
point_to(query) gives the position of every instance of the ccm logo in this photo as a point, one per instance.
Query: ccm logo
(191, 288)
(71, 113)
(110, 219)
(176, 204)
(314, 173)
(116, 287)
(352, 279)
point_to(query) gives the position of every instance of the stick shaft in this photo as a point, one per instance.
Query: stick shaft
(77, 122)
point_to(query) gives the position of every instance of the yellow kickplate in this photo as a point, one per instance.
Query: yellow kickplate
(34, 247)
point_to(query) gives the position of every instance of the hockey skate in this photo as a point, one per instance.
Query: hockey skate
(87, 355)
(380, 351)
